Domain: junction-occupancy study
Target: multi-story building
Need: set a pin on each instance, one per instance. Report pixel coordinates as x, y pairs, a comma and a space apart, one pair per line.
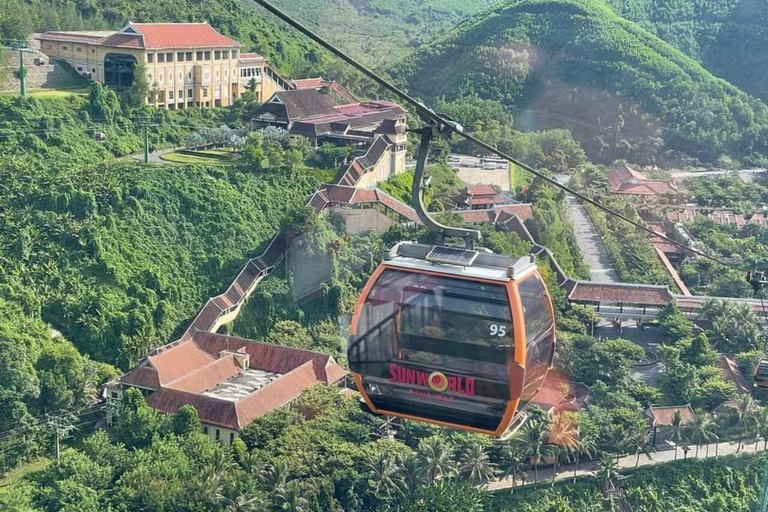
322, 112
188, 64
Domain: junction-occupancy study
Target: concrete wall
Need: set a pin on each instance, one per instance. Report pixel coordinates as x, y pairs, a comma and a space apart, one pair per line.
225, 435
381, 172
362, 220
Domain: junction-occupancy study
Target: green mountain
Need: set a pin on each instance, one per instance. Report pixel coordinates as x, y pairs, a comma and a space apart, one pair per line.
728, 37
622, 91
377, 31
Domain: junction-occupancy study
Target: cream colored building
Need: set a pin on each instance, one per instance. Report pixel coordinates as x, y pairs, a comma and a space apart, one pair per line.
188, 64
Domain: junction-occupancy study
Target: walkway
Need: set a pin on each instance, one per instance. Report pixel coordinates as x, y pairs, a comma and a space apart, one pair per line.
590, 243
626, 462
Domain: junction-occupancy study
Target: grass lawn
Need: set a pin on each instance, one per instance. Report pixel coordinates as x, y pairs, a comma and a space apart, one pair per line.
18, 474
323, 175
518, 178
49, 93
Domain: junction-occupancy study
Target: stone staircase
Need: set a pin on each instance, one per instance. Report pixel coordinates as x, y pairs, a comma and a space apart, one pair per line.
51, 75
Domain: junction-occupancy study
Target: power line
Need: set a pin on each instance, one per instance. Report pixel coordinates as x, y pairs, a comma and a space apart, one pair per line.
447, 127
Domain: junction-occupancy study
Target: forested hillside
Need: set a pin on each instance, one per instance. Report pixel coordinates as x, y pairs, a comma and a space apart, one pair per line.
286, 50
728, 37
377, 31
623, 92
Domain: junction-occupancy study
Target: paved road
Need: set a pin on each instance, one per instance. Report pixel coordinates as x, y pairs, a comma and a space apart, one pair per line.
626, 462
154, 156
590, 243
689, 174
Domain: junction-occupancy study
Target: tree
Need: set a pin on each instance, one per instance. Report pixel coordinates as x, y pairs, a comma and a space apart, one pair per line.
585, 446
436, 459
607, 469
699, 430
639, 442
511, 463
186, 421
384, 475
675, 431
138, 422
447, 496
412, 473
475, 465
743, 417
136, 95
294, 497
674, 324
289, 334
532, 444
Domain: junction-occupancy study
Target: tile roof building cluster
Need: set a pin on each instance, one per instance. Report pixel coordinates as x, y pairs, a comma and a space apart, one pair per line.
188, 64
230, 381
726, 217
625, 180
320, 111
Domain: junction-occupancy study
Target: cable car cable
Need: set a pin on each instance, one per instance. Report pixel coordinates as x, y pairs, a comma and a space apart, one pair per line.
447, 127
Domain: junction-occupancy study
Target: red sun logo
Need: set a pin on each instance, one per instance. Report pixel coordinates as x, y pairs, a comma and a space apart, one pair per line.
438, 381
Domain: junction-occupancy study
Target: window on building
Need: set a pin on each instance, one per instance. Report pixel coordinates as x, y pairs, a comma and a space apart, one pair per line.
188, 56
205, 93
231, 437
234, 54
181, 94
205, 430
113, 394
180, 57
93, 70
160, 57
63, 47
217, 55
49, 46
79, 69
207, 55
218, 434
170, 95
169, 57
225, 54
226, 73
150, 58
199, 56
93, 50
189, 94
218, 73
78, 48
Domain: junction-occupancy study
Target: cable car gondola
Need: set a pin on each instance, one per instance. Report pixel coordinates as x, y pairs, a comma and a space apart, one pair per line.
454, 336
761, 374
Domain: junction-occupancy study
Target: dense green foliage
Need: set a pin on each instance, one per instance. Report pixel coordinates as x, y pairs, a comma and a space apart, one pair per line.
287, 51
730, 483
40, 374
631, 253
728, 192
575, 64
726, 36
379, 31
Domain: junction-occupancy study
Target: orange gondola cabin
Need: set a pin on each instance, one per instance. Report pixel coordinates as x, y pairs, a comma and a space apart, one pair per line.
451, 336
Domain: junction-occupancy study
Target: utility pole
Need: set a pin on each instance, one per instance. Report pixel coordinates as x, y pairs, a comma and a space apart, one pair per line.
22, 75
146, 142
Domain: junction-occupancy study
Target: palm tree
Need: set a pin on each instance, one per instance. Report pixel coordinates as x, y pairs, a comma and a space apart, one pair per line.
532, 444
585, 445
241, 503
761, 424
412, 473
274, 477
713, 308
475, 465
436, 459
607, 469
676, 430
384, 472
511, 462
699, 430
617, 439
291, 498
639, 442
564, 434
744, 417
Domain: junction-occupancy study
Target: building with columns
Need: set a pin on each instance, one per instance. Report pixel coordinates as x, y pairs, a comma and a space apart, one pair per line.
188, 64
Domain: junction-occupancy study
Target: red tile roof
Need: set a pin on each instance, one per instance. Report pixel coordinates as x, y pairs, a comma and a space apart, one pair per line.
143, 377
662, 416
522, 211
209, 409
178, 361
208, 376
250, 56
731, 372
625, 180
625, 293
182, 35
482, 190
